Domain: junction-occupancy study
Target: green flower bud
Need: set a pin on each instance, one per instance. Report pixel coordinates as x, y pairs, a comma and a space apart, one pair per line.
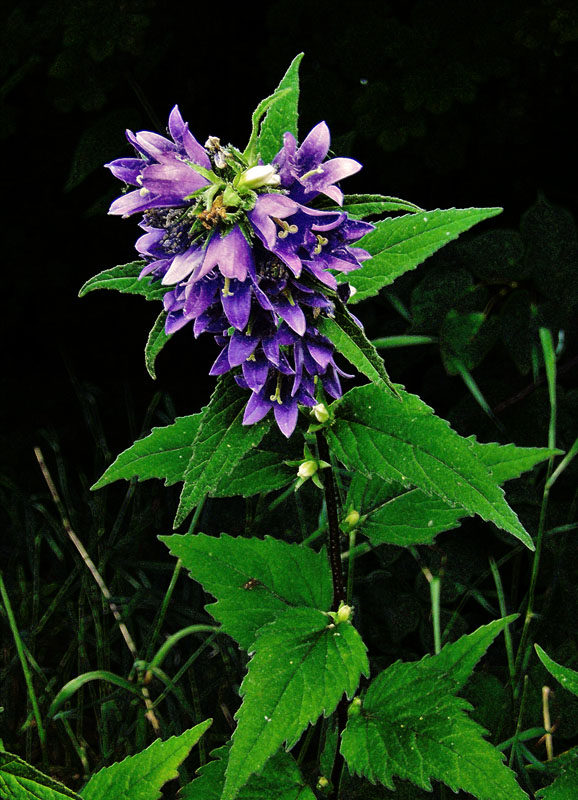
307, 469
343, 613
352, 518
355, 707
320, 412
255, 177
322, 783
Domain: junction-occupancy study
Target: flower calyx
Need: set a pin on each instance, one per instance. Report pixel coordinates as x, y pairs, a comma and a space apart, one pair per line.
308, 467
343, 614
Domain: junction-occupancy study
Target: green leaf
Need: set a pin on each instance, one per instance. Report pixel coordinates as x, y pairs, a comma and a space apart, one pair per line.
405, 442
351, 342
565, 787
164, 453
155, 343
466, 339
20, 781
405, 519
221, 442
412, 726
280, 779
507, 461
302, 666
359, 206
124, 278
259, 472
564, 675
254, 580
76, 683
399, 244
282, 115
142, 776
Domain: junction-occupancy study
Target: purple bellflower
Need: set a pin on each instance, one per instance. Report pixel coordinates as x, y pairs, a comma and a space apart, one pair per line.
246, 255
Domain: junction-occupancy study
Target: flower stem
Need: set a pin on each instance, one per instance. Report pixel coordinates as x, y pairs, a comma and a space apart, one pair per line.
333, 523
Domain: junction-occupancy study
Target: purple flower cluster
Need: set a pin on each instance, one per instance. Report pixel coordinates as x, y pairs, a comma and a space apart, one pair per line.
246, 255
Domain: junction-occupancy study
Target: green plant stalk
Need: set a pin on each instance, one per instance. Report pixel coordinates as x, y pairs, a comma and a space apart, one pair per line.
550, 364
387, 342
176, 637
504, 613
351, 565
24, 664
515, 738
435, 590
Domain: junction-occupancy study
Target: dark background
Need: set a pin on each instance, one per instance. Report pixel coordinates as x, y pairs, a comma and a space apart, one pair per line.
445, 103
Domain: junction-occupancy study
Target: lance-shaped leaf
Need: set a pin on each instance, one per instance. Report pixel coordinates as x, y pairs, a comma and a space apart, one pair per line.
164, 453
405, 442
359, 206
220, 444
404, 517
303, 664
564, 675
352, 343
399, 244
141, 777
280, 778
155, 343
411, 725
282, 115
21, 781
124, 278
565, 786
254, 580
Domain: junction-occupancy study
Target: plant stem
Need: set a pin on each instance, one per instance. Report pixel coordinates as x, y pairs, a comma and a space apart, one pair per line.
333, 524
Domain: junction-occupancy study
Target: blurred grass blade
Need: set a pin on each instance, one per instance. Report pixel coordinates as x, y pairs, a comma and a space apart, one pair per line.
550, 365
406, 340
77, 683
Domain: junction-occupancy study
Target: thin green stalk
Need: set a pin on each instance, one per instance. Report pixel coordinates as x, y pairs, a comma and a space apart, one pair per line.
24, 664
435, 590
504, 613
388, 342
550, 365
518, 722
351, 565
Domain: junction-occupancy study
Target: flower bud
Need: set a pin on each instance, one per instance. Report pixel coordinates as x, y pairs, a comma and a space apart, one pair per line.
320, 412
352, 518
343, 613
307, 469
355, 707
322, 783
261, 175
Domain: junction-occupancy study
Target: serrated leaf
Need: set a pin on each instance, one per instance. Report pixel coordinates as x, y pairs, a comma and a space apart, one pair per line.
567, 677
164, 453
411, 725
359, 206
282, 115
156, 341
280, 779
405, 442
21, 781
220, 444
300, 670
141, 777
124, 278
507, 461
399, 244
405, 519
254, 580
259, 472
350, 340
565, 786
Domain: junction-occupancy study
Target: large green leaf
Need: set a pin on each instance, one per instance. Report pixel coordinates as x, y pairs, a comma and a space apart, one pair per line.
567, 677
411, 725
359, 206
352, 343
142, 776
303, 664
259, 472
164, 453
254, 580
404, 517
221, 442
124, 278
282, 115
405, 442
399, 244
280, 779
20, 781
565, 786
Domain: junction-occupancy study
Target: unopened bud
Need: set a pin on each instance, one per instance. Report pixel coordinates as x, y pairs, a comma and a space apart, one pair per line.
352, 518
261, 175
343, 613
307, 469
355, 707
320, 412
322, 783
